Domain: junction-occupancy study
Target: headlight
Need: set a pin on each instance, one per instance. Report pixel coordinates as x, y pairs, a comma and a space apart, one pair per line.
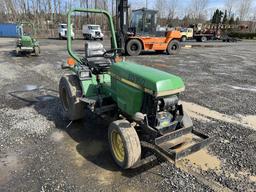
84, 75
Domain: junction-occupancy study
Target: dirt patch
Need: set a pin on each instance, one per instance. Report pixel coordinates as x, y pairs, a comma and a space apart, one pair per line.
105, 177
202, 113
8, 164
204, 160
250, 120
253, 178
57, 136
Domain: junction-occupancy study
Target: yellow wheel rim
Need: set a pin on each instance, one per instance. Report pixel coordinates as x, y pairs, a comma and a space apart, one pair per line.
117, 146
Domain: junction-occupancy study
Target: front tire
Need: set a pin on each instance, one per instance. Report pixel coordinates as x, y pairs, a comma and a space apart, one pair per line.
124, 144
173, 47
69, 87
37, 51
134, 47
18, 51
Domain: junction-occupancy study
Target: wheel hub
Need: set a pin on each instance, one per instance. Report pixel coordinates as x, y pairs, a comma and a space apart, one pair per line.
118, 146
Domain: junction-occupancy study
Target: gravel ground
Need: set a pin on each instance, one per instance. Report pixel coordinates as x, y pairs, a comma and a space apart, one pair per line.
38, 152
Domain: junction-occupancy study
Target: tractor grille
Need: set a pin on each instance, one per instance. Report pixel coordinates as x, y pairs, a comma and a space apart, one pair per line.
97, 33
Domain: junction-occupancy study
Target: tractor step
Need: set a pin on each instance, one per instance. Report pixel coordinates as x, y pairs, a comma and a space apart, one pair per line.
182, 142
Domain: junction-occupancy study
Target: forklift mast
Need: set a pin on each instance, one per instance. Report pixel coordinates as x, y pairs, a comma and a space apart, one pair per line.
122, 22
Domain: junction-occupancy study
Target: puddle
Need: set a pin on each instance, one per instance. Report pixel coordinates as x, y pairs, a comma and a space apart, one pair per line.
202, 113
204, 160
252, 89
46, 98
30, 87
8, 165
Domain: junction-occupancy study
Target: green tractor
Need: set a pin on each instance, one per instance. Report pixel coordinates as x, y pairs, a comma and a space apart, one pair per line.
26, 44
142, 101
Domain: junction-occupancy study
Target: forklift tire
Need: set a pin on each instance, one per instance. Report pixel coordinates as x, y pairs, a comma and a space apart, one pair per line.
134, 47
73, 108
173, 47
124, 144
37, 51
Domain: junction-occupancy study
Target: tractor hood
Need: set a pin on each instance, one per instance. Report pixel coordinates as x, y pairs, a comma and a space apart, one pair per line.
151, 80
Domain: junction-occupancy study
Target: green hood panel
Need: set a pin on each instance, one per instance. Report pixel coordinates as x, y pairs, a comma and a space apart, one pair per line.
26, 41
147, 77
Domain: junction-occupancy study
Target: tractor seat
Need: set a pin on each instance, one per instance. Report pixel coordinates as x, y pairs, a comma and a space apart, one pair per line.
98, 64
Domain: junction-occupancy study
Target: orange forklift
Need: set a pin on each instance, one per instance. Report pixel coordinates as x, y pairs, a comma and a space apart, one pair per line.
141, 33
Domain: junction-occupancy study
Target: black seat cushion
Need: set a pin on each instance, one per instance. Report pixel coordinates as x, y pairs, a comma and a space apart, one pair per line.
97, 63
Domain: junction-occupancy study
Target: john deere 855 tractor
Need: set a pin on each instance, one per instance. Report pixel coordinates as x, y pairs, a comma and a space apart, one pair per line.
143, 101
26, 44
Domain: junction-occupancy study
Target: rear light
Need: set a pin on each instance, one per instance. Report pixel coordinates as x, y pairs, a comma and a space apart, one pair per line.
71, 62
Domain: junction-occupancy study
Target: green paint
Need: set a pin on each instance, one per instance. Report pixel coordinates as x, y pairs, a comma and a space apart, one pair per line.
147, 77
129, 98
27, 40
89, 86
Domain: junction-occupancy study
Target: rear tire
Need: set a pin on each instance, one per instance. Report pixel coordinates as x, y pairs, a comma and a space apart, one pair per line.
173, 47
203, 39
124, 144
134, 47
183, 38
72, 107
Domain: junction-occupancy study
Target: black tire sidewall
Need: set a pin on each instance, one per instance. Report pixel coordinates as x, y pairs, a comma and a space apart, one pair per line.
169, 48
129, 45
74, 109
203, 39
115, 127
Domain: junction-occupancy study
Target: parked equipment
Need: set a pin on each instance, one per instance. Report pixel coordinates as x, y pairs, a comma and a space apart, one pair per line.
143, 101
141, 34
92, 32
62, 30
26, 43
